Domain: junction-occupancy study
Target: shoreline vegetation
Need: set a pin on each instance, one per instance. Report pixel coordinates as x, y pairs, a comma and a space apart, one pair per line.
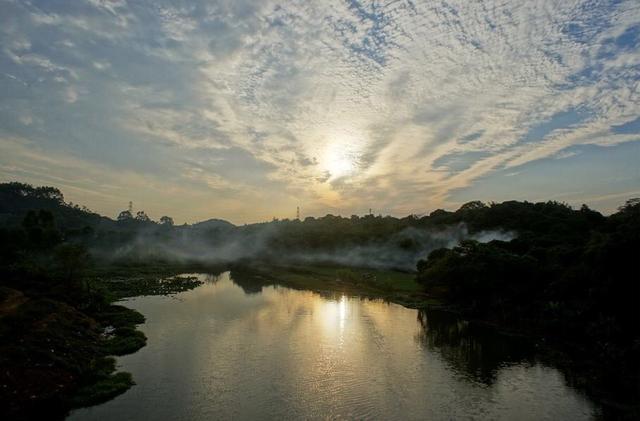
56, 356
563, 278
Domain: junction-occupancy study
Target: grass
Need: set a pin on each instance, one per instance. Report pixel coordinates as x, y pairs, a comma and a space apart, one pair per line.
103, 390
367, 278
101, 382
386, 280
126, 340
399, 287
119, 316
105, 384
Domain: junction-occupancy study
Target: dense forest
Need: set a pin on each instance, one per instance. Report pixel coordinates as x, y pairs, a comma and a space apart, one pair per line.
567, 275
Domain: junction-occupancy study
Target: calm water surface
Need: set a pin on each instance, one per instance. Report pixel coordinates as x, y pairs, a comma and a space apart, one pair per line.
221, 351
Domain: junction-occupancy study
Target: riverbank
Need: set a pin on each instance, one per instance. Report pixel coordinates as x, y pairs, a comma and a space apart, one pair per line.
57, 353
54, 356
393, 286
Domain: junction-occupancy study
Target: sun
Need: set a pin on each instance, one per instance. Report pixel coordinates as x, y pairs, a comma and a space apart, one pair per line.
341, 158
340, 165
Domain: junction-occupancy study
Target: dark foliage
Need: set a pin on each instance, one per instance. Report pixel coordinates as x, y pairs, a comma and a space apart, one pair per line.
52, 348
570, 276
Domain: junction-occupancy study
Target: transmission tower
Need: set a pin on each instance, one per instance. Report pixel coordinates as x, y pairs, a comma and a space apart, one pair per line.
298, 213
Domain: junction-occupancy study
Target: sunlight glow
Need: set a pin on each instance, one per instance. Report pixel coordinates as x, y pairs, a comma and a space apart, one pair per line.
335, 315
340, 164
343, 311
342, 155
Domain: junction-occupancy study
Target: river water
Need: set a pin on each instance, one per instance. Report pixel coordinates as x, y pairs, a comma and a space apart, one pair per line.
220, 352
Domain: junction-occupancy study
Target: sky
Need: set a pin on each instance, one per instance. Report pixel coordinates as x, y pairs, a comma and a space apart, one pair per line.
244, 110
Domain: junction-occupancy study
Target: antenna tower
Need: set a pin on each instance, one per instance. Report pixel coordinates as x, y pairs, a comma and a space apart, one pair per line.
298, 213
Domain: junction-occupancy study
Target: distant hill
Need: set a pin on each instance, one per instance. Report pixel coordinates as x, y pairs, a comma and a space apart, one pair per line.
213, 223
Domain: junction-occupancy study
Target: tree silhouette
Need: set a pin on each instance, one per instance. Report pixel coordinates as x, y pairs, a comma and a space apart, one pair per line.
142, 216
72, 258
125, 215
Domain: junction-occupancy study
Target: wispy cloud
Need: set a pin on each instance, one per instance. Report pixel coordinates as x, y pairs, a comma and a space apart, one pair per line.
336, 105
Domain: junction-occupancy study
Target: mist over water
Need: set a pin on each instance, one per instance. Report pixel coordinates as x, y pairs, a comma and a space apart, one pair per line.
401, 250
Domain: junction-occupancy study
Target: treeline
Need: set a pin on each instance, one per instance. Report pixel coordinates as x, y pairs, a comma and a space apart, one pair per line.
135, 233
135, 236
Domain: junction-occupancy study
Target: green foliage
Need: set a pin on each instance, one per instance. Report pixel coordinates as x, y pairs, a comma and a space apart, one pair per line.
153, 284
476, 275
26, 190
348, 275
125, 340
166, 221
72, 258
142, 216
125, 215
119, 316
103, 385
40, 230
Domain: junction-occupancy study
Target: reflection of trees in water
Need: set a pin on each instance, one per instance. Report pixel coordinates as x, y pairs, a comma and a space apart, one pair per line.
479, 352
211, 278
248, 281
474, 351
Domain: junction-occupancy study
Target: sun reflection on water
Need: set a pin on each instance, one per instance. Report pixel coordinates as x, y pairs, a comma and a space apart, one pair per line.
343, 310
334, 316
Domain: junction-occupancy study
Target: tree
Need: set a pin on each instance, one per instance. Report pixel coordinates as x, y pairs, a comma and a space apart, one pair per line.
142, 216
40, 229
473, 205
49, 193
30, 220
45, 219
72, 258
166, 221
630, 206
27, 190
439, 213
125, 215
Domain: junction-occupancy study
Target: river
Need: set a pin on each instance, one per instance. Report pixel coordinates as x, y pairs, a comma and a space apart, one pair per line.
220, 351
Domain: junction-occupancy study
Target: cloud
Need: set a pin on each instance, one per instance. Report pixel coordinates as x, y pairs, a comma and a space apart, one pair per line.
337, 105
566, 154
70, 95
